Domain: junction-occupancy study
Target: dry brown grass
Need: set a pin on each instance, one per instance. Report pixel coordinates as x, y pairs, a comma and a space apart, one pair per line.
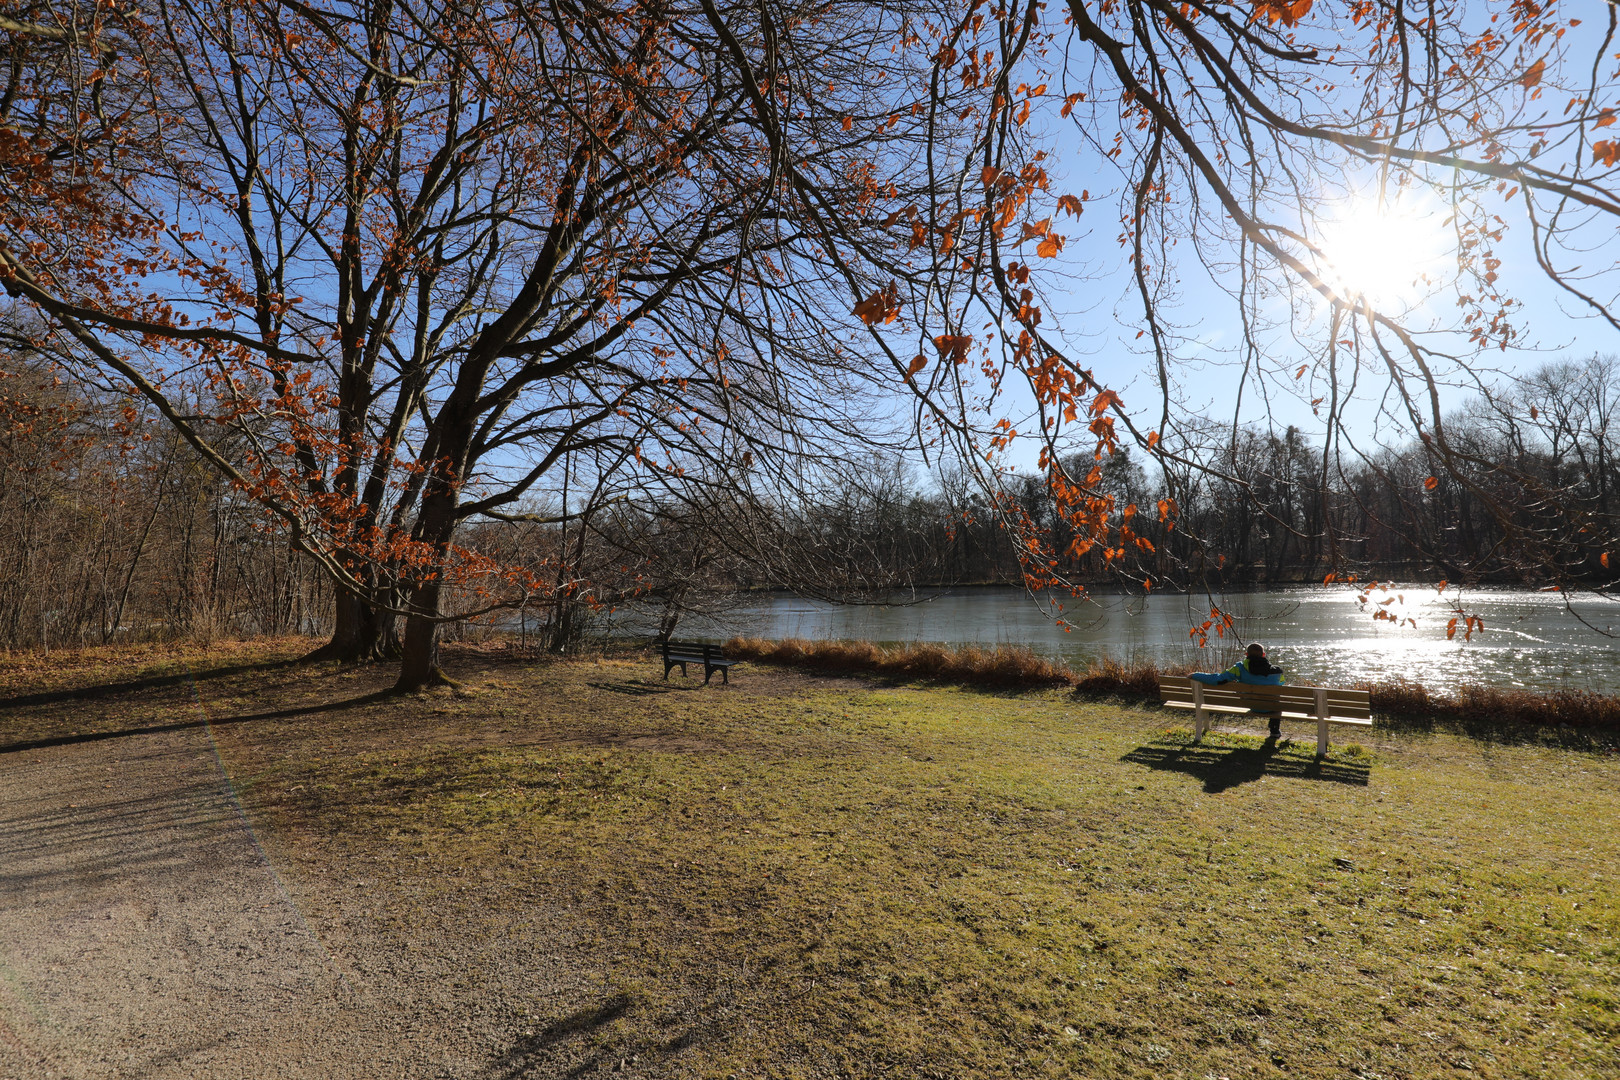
1006, 666
1499, 706
1136, 678
1399, 697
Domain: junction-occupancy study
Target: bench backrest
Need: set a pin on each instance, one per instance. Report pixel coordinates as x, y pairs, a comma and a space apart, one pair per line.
1351, 704
693, 648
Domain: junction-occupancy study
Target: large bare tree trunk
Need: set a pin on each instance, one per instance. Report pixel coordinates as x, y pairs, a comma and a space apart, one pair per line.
362, 633
419, 664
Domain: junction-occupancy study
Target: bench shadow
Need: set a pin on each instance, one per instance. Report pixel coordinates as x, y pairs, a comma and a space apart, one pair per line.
186, 725
1224, 767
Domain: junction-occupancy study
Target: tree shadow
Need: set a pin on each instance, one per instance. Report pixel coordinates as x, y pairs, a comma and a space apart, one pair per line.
109, 838
1489, 729
1223, 767
533, 1055
154, 682
186, 725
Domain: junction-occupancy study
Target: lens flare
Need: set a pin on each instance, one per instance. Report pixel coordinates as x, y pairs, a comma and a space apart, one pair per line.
1388, 256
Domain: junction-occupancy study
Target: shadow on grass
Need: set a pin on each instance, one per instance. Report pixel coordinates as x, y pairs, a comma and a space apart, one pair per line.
637, 688
530, 1055
186, 725
155, 682
1505, 732
1223, 767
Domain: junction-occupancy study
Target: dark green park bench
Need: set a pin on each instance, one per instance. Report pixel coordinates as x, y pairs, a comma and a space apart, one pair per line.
696, 652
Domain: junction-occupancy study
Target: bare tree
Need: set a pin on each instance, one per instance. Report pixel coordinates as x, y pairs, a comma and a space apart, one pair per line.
424, 256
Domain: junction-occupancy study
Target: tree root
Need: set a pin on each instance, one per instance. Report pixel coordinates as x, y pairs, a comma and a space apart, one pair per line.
434, 676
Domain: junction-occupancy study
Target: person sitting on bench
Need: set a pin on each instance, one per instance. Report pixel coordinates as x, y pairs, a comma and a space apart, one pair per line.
1254, 670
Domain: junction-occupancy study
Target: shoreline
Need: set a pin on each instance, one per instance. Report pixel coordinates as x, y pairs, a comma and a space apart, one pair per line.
1396, 703
1577, 718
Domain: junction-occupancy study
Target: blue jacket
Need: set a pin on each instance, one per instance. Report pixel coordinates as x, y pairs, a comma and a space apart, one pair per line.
1239, 672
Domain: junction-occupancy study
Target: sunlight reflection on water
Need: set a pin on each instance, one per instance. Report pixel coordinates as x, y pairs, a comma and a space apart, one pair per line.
1317, 634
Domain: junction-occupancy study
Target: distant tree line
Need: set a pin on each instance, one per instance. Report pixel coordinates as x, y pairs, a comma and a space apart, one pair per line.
1535, 503
111, 529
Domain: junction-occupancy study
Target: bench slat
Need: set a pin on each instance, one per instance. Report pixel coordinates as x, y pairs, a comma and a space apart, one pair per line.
1286, 714
1259, 705
1180, 688
1252, 705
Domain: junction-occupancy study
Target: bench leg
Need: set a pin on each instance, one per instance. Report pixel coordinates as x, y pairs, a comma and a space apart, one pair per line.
1321, 723
708, 673
672, 663
1198, 712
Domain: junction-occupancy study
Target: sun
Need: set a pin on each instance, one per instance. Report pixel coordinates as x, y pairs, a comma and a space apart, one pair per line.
1388, 256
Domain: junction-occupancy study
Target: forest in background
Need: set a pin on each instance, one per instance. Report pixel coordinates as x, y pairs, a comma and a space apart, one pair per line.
112, 529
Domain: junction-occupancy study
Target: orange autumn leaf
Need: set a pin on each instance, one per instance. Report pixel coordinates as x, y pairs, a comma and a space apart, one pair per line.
1070, 204
882, 306
918, 362
1050, 246
953, 347
1533, 76
1607, 151
1604, 559
1104, 400
1036, 228
1430, 484
1287, 12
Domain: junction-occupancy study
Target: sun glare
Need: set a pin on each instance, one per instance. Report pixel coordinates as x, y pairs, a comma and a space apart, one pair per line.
1390, 257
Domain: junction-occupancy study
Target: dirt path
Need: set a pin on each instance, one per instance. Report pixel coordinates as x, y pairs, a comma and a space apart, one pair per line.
145, 933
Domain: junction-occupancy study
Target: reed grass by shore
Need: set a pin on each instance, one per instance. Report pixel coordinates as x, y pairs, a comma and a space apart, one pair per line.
1004, 666
1396, 702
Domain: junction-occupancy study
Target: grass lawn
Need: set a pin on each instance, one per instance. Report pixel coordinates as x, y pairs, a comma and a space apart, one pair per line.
804, 876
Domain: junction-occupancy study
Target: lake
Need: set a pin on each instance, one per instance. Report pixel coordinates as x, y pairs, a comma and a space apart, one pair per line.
1318, 634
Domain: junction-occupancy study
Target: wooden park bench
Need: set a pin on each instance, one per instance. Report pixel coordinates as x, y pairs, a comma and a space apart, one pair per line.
1323, 704
696, 652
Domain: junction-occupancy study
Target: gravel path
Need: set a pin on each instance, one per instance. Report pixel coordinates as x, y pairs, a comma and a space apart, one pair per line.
145, 933
142, 931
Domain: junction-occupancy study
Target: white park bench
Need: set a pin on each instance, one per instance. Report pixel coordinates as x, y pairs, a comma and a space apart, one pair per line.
1325, 705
